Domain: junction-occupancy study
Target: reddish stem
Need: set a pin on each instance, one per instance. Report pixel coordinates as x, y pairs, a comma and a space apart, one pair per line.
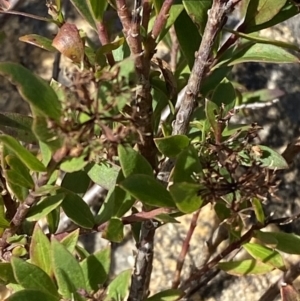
103, 38
184, 249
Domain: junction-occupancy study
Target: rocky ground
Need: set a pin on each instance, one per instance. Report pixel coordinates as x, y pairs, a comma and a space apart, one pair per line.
281, 125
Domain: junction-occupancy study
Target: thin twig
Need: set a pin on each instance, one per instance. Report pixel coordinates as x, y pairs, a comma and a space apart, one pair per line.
145, 215
147, 7
203, 283
174, 49
218, 235
131, 29
143, 100
104, 40
198, 274
139, 289
18, 13
292, 150
216, 19
158, 26
25, 206
217, 15
201, 272
274, 290
20, 214
184, 249
138, 217
161, 19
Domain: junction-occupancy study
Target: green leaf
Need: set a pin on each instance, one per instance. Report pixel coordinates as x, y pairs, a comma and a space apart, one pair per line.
132, 162
67, 271
171, 146
197, 10
264, 53
33, 89
116, 203
40, 250
118, 289
77, 210
258, 39
64, 94
58, 4
103, 174
245, 267
126, 202
148, 190
20, 170
186, 166
44, 207
262, 11
265, 254
82, 253
96, 268
258, 209
114, 231
38, 41
104, 49
4, 223
83, 8
224, 95
19, 251
74, 164
160, 99
109, 207
22, 153
215, 77
288, 11
6, 273
45, 134
19, 192
53, 219
167, 295
18, 126
31, 295
78, 182
157, 5
271, 159
17, 179
98, 8
15, 287
46, 189
45, 152
211, 110
231, 129
285, 242
70, 241
121, 53
185, 196
31, 276
184, 24
261, 95
166, 218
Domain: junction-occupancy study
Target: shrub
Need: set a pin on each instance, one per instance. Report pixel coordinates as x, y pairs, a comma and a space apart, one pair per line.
123, 125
